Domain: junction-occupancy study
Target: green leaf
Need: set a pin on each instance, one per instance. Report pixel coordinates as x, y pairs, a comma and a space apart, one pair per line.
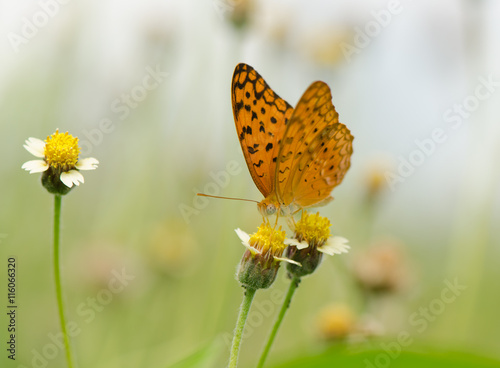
205, 357
391, 359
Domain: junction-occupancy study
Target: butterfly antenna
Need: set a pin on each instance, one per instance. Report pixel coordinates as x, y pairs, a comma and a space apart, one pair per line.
234, 199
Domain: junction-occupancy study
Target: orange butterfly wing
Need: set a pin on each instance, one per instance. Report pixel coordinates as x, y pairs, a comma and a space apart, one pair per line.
315, 151
260, 116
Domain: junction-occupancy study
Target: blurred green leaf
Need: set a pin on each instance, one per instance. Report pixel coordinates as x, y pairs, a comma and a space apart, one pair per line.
392, 359
205, 357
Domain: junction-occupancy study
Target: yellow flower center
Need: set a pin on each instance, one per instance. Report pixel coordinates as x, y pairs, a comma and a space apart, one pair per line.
269, 240
313, 228
61, 151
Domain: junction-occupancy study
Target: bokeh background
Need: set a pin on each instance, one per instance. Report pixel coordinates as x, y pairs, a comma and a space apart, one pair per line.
80, 66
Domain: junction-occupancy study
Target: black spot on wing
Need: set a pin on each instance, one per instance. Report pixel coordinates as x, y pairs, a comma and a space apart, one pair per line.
253, 149
269, 147
284, 170
259, 164
238, 107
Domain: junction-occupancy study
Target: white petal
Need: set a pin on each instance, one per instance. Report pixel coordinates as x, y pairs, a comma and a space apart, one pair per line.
35, 166
71, 177
244, 240
89, 163
300, 245
335, 245
251, 249
283, 259
242, 235
35, 146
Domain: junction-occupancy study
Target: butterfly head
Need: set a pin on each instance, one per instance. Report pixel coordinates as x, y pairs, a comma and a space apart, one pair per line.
267, 208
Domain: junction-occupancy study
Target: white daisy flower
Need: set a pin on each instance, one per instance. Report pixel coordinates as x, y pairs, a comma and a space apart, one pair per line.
266, 242
260, 263
312, 240
314, 230
333, 245
59, 161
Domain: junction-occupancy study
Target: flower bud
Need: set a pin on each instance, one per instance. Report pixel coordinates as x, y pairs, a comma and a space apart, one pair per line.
52, 182
260, 263
257, 271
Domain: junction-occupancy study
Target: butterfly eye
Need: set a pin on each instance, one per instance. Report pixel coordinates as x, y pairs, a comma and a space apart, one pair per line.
271, 209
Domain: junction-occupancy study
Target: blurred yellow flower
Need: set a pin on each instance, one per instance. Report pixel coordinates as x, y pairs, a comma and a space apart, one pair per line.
173, 249
335, 322
323, 44
375, 176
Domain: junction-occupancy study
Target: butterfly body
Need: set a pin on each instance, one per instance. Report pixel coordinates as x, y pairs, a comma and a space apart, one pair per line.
270, 206
295, 156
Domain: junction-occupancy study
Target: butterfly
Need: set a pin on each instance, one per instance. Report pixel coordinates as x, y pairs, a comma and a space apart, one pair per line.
295, 156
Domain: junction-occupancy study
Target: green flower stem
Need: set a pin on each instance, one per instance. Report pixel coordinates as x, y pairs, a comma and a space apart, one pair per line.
294, 284
57, 275
240, 325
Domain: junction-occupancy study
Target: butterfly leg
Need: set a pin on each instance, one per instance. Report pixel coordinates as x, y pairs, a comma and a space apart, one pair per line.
301, 214
276, 222
291, 220
274, 227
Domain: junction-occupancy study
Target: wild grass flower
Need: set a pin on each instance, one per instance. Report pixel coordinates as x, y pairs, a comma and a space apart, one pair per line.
60, 167
260, 263
60, 162
312, 239
257, 270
